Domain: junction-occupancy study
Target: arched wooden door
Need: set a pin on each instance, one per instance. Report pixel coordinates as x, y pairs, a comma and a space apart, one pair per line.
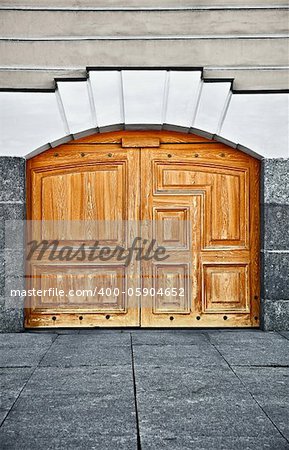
141, 180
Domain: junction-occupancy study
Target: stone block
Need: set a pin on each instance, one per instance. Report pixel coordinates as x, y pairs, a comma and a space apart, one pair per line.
275, 270
275, 315
11, 318
14, 263
12, 179
275, 174
275, 227
11, 227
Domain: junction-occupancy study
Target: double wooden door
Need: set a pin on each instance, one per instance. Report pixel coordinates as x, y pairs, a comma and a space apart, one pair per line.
196, 199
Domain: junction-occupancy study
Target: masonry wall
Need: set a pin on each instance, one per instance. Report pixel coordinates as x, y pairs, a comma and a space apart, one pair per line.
12, 207
275, 244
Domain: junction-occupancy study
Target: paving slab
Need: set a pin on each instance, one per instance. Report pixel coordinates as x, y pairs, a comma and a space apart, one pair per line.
114, 331
81, 394
168, 338
285, 334
192, 402
233, 337
69, 442
208, 416
270, 387
25, 339
53, 331
97, 381
12, 381
188, 382
23, 350
250, 349
266, 382
3, 414
177, 356
96, 339
102, 350
214, 443
103, 418
279, 414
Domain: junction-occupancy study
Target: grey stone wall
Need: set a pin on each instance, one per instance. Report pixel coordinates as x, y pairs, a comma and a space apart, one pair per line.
275, 244
12, 207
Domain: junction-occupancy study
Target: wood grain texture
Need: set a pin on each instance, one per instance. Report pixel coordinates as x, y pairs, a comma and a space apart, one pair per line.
137, 141
172, 179
217, 190
78, 197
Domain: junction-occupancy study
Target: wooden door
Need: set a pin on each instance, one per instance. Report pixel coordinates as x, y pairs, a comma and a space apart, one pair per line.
213, 192
197, 198
80, 194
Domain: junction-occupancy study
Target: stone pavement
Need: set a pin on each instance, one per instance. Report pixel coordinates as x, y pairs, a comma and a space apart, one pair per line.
140, 389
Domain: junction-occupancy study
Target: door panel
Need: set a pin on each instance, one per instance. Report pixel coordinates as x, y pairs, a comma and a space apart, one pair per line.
225, 288
78, 204
97, 196
225, 196
211, 193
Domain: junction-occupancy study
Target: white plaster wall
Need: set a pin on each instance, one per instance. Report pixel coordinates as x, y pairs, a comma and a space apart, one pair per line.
29, 120
259, 121
77, 107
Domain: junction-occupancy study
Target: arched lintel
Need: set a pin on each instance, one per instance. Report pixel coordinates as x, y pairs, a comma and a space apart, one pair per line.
204, 135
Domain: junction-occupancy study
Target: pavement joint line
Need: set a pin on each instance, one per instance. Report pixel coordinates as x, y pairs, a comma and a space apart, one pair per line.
135, 395
250, 393
285, 337
264, 366
16, 367
25, 384
95, 366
